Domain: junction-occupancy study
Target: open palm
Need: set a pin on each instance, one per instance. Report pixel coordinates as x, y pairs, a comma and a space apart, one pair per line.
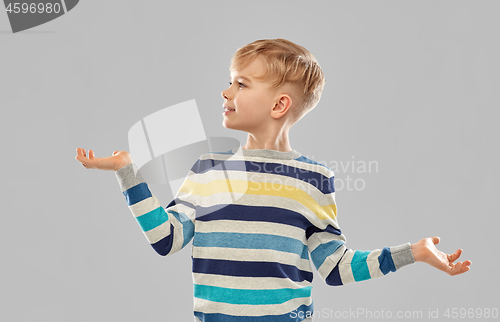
426, 251
118, 160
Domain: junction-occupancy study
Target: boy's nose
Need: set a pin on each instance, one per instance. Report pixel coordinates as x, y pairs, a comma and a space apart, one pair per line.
224, 94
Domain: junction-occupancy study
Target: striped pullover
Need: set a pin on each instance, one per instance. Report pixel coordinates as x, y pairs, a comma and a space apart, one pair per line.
257, 218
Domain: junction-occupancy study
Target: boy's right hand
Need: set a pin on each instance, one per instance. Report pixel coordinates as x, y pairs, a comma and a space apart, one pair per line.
119, 160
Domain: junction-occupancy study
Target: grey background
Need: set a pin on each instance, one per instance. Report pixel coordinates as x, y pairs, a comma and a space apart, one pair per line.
412, 85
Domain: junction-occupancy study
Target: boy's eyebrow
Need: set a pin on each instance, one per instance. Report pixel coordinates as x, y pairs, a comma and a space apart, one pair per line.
243, 77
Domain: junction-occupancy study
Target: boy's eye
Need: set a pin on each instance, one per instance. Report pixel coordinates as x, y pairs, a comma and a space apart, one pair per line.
240, 84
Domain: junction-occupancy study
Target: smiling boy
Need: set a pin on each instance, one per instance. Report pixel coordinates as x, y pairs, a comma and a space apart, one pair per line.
256, 108
252, 254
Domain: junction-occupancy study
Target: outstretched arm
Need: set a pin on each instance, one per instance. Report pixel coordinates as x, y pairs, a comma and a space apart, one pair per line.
426, 251
167, 229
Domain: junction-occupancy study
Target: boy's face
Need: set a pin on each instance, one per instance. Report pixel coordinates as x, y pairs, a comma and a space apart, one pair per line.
251, 99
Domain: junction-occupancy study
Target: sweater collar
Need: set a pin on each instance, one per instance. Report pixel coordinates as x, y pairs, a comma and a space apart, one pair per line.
270, 154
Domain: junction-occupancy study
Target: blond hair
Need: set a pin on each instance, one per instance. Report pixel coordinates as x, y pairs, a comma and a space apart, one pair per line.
286, 64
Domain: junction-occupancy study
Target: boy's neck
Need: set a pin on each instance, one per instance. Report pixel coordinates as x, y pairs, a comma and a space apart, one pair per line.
277, 144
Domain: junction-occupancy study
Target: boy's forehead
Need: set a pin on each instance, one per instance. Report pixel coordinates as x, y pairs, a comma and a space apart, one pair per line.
252, 69
236, 74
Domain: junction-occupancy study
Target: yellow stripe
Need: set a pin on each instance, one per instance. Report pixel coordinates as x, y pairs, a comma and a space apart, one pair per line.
260, 188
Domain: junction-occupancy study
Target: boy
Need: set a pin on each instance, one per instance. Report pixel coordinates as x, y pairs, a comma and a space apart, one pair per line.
251, 254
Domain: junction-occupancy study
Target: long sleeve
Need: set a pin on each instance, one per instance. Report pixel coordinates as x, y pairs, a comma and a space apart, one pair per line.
337, 264
167, 229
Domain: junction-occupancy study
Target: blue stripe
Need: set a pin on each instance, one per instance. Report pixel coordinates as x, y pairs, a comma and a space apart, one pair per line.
164, 245
252, 213
359, 266
323, 183
250, 269
187, 226
137, 193
177, 201
333, 278
307, 160
386, 262
152, 219
249, 297
320, 253
329, 229
296, 315
251, 241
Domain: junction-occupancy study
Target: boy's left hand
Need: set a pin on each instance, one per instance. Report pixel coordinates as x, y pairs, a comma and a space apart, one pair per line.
425, 251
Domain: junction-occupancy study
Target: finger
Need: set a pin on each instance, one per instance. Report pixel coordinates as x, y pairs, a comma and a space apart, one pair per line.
91, 154
455, 269
115, 152
462, 269
455, 256
435, 240
81, 152
81, 158
465, 266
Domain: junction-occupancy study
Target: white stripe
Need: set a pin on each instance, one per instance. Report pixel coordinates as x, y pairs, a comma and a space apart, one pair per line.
292, 163
144, 206
322, 238
275, 181
64, 6
251, 227
322, 223
249, 255
268, 201
250, 283
330, 262
249, 310
345, 268
181, 208
178, 235
373, 263
156, 234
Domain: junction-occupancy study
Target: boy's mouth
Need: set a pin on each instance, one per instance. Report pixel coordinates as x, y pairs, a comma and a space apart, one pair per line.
228, 109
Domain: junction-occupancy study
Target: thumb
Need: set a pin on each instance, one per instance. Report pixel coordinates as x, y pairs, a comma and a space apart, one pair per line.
435, 240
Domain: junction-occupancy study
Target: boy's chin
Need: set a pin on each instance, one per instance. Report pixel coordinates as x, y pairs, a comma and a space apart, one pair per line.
231, 127
227, 126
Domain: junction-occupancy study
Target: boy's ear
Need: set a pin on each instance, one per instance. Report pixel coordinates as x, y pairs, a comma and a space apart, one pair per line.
282, 106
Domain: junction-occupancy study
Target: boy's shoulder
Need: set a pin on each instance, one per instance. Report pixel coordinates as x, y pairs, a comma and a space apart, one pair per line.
211, 159
216, 155
305, 159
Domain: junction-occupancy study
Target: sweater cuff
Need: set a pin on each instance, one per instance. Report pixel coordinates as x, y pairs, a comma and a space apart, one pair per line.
402, 255
128, 176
